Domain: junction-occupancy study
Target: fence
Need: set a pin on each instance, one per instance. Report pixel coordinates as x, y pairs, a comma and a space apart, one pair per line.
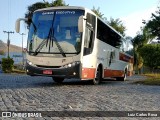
145, 70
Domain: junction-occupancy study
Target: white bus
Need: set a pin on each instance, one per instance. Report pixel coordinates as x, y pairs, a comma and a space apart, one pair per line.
73, 42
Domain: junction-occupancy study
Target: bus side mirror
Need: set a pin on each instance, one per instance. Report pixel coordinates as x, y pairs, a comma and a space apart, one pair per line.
80, 23
17, 26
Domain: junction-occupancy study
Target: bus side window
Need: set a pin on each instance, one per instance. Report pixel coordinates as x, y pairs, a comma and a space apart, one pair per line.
108, 35
88, 41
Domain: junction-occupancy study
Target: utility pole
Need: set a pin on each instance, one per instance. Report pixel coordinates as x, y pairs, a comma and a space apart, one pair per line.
8, 41
22, 49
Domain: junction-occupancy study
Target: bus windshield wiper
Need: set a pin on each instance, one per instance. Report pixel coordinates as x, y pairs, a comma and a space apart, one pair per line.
51, 39
40, 46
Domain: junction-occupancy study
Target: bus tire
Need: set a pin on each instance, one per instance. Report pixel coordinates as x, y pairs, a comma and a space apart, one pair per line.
122, 78
98, 77
58, 79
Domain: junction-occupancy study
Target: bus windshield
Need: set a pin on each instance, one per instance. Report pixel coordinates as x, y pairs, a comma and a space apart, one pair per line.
55, 32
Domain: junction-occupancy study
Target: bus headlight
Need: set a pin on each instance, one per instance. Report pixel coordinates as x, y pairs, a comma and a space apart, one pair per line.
69, 65
30, 63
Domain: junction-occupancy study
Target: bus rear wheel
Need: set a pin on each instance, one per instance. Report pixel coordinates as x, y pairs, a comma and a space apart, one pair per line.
58, 79
98, 77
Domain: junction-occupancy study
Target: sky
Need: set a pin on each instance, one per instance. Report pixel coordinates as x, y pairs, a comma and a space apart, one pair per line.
130, 12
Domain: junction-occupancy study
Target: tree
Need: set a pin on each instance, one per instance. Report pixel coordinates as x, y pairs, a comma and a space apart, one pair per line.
117, 25
58, 3
153, 25
151, 55
39, 5
97, 12
34, 7
7, 64
137, 43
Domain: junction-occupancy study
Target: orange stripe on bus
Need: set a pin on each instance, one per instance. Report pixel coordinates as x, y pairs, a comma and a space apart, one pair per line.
113, 73
88, 73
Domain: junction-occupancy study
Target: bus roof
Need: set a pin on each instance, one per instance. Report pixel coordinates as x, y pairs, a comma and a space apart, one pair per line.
61, 7
67, 7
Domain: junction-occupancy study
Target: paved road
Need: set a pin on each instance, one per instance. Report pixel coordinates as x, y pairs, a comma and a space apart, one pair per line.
25, 93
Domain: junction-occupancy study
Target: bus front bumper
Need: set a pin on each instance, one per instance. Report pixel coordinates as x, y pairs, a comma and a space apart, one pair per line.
64, 72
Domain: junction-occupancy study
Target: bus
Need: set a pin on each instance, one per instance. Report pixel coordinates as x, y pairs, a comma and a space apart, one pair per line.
73, 42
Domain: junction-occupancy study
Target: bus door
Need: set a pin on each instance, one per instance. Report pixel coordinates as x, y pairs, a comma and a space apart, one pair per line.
88, 69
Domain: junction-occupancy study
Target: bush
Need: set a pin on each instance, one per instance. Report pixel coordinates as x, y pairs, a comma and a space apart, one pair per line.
7, 65
2, 52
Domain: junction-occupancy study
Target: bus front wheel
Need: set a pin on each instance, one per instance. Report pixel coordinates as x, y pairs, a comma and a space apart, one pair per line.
98, 77
58, 80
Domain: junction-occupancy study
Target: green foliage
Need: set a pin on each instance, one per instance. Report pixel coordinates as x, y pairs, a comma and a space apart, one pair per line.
152, 25
34, 7
7, 65
58, 3
148, 33
117, 25
151, 55
137, 42
97, 12
40, 5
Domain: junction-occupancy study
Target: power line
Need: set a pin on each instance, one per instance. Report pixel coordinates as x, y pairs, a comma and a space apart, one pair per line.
22, 48
8, 41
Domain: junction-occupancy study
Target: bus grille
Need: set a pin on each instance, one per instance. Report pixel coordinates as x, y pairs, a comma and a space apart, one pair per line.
48, 66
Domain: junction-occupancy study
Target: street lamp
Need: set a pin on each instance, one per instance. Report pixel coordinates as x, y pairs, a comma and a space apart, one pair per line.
22, 49
8, 41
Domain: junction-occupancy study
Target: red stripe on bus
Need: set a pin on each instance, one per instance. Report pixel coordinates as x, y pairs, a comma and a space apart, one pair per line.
113, 73
125, 58
88, 73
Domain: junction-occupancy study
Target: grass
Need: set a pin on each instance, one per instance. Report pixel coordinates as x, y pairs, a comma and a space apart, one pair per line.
152, 79
18, 71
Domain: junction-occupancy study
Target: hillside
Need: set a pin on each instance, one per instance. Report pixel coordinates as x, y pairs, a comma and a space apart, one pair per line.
12, 48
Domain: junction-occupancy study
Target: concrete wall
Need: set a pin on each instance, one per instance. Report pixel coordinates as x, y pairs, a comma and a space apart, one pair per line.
17, 57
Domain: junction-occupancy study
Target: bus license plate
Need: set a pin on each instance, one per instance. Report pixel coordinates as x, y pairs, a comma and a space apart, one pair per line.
48, 72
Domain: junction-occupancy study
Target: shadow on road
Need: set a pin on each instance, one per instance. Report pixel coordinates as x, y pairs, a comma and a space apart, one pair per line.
24, 81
